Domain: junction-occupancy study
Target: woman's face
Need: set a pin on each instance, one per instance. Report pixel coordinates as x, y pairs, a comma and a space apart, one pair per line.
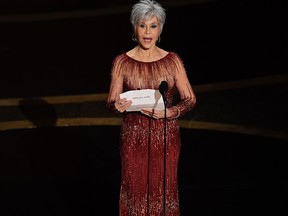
147, 32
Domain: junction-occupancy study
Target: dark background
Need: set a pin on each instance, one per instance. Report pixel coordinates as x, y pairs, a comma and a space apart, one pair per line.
66, 47
62, 47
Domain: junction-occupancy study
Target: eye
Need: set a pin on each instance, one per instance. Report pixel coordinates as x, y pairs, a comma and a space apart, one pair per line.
153, 26
141, 25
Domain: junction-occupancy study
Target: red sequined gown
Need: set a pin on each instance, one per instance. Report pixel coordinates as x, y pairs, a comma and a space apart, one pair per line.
142, 138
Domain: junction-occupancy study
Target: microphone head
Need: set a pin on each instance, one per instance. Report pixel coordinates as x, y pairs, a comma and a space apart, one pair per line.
163, 87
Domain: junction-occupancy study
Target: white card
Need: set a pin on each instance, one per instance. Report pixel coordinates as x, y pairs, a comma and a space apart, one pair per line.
145, 98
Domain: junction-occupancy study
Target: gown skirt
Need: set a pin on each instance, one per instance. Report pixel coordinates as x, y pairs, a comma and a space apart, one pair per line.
142, 159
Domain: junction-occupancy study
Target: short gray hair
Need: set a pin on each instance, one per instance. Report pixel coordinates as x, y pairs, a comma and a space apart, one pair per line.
147, 9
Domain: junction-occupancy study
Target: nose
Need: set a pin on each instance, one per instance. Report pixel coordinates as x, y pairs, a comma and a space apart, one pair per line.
147, 30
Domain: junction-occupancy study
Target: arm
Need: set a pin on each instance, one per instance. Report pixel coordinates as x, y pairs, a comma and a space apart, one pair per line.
114, 103
186, 93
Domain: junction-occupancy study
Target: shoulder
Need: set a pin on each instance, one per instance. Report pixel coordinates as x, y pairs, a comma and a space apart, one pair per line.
119, 58
173, 56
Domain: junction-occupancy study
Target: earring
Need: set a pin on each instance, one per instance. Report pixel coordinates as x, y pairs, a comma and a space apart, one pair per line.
159, 39
134, 38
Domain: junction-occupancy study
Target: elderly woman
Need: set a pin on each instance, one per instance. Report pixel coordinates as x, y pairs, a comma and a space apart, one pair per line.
150, 139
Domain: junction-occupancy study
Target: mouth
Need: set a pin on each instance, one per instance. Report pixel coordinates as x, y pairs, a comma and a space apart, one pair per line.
146, 39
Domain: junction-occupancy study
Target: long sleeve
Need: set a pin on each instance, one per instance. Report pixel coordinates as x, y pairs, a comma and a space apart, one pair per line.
184, 88
116, 85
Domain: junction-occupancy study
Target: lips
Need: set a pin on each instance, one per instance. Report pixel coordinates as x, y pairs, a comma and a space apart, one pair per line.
147, 39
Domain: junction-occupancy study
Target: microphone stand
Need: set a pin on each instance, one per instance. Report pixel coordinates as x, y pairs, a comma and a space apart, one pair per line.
163, 88
164, 175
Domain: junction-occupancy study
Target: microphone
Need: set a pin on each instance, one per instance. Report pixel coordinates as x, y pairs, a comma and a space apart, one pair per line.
163, 88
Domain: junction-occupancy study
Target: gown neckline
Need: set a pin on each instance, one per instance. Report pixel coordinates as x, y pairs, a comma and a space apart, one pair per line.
148, 61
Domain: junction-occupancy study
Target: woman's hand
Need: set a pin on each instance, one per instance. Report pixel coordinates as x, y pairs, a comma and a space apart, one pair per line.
155, 114
122, 104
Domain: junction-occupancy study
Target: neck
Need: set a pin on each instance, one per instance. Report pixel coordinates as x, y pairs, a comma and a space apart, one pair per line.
152, 52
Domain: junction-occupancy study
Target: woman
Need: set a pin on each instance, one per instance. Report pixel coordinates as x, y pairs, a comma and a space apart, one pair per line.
142, 134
